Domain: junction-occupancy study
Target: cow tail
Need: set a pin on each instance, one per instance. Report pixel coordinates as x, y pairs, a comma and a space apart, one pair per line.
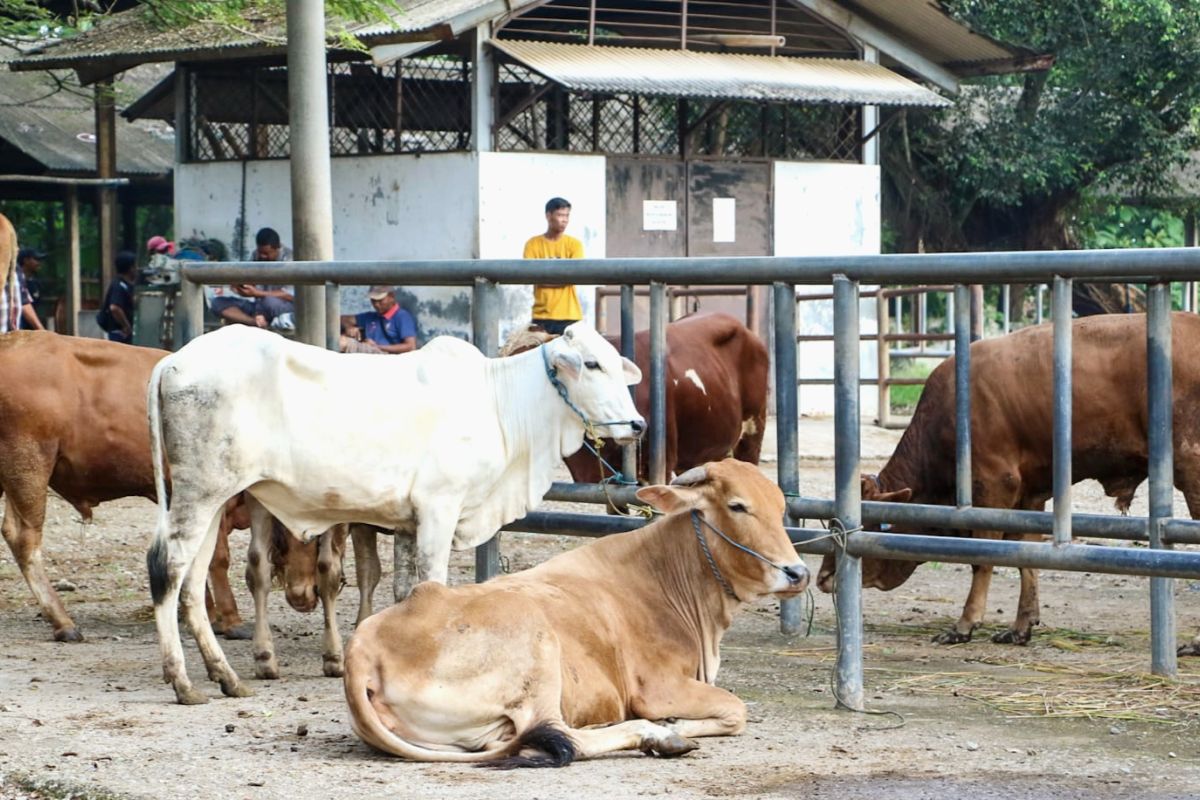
552, 745
156, 557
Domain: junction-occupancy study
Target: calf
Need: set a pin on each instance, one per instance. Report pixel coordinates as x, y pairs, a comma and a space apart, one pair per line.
1012, 435
508, 671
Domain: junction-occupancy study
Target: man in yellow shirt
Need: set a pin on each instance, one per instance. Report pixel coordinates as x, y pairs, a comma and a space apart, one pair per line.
555, 306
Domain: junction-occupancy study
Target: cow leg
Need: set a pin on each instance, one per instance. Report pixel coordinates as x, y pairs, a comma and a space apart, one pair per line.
219, 601
258, 579
636, 734
332, 545
24, 517
693, 709
366, 568
976, 605
192, 598
406, 571
749, 446
171, 558
1028, 611
1191, 493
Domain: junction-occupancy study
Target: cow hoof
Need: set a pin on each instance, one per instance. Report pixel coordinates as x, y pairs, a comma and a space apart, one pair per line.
951, 637
68, 635
266, 672
235, 688
189, 696
1192, 649
243, 631
333, 668
670, 746
1011, 636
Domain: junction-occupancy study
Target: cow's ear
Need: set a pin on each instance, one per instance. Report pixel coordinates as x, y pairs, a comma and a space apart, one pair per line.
667, 499
568, 362
633, 375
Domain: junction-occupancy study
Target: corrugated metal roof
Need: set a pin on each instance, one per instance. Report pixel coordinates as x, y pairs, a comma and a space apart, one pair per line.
745, 77
937, 34
136, 36
49, 118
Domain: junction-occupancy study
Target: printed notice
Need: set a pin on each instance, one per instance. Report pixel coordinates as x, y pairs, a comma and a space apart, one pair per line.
659, 215
724, 219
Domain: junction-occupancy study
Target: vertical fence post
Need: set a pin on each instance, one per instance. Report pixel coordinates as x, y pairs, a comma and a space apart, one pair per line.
658, 383
848, 492
787, 414
189, 311
884, 359
629, 463
962, 393
333, 317
1061, 314
485, 334
1162, 480
1041, 290
1006, 293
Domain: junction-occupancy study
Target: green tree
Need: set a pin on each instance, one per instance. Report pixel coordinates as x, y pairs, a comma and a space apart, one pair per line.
1015, 160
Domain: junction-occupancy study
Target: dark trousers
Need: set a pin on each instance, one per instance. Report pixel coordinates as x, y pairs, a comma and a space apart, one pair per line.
554, 326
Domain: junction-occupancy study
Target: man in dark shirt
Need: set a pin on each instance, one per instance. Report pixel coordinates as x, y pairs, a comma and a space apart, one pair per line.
29, 261
118, 300
389, 326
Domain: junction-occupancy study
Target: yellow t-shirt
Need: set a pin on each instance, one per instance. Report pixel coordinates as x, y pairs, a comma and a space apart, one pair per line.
555, 302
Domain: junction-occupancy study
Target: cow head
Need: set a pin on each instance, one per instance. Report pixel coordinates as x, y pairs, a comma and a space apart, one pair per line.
741, 503
877, 573
597, 378
306, 570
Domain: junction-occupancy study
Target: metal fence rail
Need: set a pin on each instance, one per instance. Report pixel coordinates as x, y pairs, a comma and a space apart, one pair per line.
1156, 267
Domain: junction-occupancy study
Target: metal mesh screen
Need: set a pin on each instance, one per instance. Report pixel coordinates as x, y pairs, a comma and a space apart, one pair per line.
416, 105
537, 115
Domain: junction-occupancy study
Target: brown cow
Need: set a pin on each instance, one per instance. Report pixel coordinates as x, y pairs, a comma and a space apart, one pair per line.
1012, 436
612, 646
73, 419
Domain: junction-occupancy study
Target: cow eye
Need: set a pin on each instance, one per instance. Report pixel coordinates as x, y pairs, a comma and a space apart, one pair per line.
592, 365
738, 506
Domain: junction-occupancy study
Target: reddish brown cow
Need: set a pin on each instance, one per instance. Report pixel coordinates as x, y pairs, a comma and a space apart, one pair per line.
73, 419
716, 395
1012, 436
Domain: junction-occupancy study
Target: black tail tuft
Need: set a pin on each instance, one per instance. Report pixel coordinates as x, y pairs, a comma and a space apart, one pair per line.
557, 749
156, 565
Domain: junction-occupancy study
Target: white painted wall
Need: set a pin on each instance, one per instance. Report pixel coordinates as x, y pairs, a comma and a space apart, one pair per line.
828, 209
384, 207
513, 190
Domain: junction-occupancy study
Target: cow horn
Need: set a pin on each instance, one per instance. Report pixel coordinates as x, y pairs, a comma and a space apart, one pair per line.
692, 477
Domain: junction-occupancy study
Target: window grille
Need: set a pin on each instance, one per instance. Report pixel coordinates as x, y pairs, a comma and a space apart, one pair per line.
535, 114
416, 105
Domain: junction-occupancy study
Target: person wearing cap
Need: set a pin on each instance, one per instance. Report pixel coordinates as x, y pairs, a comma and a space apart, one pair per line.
555, 306
159, 246
389, 327
29, 261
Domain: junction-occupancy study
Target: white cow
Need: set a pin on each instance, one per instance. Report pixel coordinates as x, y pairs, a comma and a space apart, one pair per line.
442, 443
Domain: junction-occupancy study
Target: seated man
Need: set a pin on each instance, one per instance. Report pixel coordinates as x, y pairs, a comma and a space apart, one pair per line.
389, 327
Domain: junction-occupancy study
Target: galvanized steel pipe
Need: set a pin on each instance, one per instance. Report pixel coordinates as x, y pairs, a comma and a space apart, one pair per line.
848, 494
787, 414
485, 333
629, 350
962, 394
1162, 478
1061, 314
658, 384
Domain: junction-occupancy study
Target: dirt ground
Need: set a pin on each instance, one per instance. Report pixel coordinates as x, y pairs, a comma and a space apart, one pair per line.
1073, 715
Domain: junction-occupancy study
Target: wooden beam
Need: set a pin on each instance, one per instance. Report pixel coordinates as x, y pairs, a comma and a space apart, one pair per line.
71, 220
106, 167
858, 28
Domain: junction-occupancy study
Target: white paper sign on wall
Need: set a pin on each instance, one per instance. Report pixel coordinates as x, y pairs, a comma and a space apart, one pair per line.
724, 219
659, 215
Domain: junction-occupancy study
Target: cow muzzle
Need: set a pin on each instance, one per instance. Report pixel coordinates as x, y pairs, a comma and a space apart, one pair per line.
795, 579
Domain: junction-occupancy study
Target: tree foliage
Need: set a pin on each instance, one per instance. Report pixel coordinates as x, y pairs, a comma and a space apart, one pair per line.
1015, 160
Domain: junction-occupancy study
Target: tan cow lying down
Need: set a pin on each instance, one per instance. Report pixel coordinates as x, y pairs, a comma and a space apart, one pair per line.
612, 646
